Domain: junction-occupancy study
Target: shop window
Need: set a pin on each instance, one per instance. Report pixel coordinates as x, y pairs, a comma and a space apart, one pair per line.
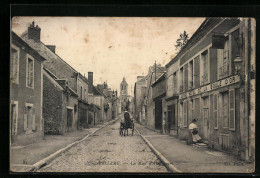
14, 73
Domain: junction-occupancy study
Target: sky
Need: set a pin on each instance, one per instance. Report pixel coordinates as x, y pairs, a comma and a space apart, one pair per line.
111, 47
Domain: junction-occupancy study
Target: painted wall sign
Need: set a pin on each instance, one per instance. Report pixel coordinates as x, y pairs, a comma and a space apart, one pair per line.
212, 86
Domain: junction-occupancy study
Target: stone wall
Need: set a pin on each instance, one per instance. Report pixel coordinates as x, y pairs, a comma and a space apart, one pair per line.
52, 107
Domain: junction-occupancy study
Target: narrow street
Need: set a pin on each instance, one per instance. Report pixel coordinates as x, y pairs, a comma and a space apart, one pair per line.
106, 151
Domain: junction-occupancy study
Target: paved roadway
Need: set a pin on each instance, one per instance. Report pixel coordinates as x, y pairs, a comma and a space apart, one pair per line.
106, 151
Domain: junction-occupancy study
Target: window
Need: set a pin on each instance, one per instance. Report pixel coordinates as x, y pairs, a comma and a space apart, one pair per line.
69, 117
185, 110
174, 83
225, 109
30, 72
232, 125
223, 60
191, 75
14, 73
81, 94
181, 79
215, 110
204, 59
185, 85
205, 102
29, 118
14, 117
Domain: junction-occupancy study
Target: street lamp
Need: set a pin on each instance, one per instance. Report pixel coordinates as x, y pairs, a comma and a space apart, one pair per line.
237, 63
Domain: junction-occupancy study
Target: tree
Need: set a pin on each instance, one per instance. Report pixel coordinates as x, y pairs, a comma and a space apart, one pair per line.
182, 40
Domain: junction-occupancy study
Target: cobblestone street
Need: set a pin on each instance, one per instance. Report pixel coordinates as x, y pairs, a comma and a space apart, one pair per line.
106, 151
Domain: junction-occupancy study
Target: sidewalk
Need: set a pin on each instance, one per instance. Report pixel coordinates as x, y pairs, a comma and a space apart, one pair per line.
22, 157
189, 159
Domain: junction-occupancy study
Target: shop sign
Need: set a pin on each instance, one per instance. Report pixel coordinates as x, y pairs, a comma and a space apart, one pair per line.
219, 84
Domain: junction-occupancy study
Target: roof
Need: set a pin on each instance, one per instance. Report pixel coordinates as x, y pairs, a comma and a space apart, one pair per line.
199, 34
57, 83
96, 91
43, 50
15, 37
161, 78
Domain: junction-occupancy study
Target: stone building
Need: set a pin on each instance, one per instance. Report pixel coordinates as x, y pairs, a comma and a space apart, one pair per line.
60, 111
158, 94
154, 73
26, 87
139, 92
209, 81
62, 70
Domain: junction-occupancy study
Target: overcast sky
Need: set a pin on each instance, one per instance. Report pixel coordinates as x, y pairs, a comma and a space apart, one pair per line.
111, 47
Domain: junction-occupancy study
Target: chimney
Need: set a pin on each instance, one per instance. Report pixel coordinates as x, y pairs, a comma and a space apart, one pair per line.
34, 32
90, 79
51, 47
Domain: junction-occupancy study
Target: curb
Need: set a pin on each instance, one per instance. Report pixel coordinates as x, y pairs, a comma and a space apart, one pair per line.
165, 162
48, 159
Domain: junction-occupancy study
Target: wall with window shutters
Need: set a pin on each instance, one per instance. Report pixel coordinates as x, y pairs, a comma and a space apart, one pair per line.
213, 65
22, 94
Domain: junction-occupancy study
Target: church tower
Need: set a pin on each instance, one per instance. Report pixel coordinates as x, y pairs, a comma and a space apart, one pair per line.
123, 88
123, 94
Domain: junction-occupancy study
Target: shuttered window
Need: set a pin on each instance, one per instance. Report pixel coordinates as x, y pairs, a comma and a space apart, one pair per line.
215, 111
185, 118
14, 72
205, 65
14, 117
225, 105
232, 110
30, 72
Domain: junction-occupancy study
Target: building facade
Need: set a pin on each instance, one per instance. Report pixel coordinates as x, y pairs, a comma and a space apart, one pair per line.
154, 73
60, 111
209, 80
139, 91
26, 87
159, 93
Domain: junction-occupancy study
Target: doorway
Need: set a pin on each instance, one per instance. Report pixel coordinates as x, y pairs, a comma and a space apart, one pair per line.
69, 118
171, 118
158, 114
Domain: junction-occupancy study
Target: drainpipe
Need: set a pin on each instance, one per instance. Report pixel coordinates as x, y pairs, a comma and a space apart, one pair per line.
252, 87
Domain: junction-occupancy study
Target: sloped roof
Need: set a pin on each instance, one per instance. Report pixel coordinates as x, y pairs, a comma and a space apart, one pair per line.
15, 37
206, 25
57, 83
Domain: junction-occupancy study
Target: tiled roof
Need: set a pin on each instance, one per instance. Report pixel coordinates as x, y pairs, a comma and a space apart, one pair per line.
44, 51
199, 34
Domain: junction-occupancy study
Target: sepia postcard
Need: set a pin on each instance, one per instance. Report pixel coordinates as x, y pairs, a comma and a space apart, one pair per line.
132, 94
